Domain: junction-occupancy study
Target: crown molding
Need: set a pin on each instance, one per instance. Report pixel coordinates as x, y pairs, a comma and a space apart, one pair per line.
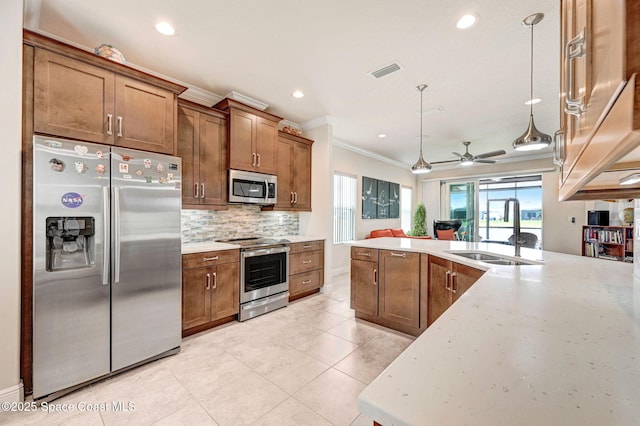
370, 154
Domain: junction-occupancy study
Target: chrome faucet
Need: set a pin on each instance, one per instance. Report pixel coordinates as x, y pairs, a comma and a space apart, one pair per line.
516, 221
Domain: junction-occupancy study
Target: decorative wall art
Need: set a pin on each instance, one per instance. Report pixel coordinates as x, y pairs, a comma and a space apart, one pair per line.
380, 199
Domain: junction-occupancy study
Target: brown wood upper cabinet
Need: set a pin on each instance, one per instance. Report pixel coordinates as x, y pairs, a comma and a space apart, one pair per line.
82, 101
447, 281
599, 98
253, 135
202, 144
294, 172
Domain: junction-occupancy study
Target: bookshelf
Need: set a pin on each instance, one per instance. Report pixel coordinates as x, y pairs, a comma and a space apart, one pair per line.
608, 242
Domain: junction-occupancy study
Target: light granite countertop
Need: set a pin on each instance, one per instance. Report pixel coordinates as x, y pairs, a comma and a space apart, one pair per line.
199, 247
557, 343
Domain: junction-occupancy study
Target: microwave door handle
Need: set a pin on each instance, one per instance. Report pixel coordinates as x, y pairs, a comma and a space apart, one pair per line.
266, 190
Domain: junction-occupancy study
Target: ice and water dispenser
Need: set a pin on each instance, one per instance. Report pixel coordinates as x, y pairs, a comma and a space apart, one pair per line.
70, 243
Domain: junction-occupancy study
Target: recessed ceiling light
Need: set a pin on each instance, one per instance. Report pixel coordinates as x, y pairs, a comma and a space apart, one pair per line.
297, 94
533, 101
382, 135
467, 21
165, 28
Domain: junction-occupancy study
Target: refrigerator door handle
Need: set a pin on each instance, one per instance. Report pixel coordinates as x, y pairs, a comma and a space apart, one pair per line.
105, 235
116, 240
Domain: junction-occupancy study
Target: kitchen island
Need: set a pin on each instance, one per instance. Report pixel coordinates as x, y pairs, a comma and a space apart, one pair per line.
552, 343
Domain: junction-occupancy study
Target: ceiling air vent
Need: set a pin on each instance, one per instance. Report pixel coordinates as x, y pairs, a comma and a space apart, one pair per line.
388, 69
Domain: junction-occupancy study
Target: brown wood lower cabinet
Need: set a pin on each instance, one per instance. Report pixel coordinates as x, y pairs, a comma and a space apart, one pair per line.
210, 289
385, 288
306, 268
447, 282
405, 291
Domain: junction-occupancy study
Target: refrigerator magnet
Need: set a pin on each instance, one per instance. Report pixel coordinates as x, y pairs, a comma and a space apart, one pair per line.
81, 149
99, 154
71, 200
126, 176
123, 167
162, 179
160, 168
169, 177
147, 163
126, 157
56, 165
80, 167
139, 172
100, 170
148, 179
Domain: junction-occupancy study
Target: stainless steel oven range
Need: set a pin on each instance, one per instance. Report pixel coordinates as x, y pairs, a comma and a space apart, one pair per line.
264, 275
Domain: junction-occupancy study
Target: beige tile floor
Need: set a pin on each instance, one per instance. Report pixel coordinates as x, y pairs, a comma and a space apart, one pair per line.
302, 365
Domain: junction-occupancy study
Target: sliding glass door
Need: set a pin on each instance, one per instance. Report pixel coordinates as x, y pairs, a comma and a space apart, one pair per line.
462, 203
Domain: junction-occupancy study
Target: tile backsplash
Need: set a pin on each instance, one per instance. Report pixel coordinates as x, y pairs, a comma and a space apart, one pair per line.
238, 222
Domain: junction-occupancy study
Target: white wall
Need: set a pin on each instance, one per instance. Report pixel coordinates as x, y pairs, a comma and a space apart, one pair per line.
558, 233
11, 125
359, 165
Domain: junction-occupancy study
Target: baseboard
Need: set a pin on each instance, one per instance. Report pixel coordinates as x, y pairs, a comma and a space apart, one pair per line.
12, 394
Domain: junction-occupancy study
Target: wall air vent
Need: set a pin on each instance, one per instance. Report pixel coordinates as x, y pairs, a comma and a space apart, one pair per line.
386, 70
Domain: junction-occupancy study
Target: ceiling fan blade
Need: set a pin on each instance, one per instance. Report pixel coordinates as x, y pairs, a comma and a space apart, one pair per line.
485, 161
444, 162
457, 154
492, 154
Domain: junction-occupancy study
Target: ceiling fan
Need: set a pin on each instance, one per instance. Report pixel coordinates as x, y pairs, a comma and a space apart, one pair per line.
468, 159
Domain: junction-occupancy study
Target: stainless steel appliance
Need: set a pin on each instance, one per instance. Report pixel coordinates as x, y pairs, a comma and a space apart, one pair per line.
254, 188
106, 261
264, 275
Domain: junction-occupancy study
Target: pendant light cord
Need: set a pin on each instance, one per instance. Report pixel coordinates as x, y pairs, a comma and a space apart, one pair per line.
531, 76
421, 91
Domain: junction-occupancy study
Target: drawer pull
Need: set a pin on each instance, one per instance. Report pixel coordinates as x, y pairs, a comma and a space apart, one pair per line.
307, 246
363, 254
304, 262
306, 282
207, 259
399, 254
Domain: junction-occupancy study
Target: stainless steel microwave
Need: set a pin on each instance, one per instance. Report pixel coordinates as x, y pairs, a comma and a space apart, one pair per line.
253, 188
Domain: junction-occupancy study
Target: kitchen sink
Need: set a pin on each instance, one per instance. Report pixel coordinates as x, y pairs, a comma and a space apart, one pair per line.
493, 259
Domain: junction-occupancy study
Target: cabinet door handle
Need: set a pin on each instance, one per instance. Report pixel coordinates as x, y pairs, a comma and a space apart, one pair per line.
375, 277
253, 159
196, 192
306, 282
208, 286
258, 155
291, 198
447, 280
398, 254
296, 195
574, 106
109, 124
558, 149
208, 259
202, 191
215, 280
305, 262
454, 282
119, 126
363, 254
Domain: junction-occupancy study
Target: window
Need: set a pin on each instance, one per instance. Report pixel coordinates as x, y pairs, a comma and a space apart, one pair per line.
527, 189
344, 208
406, 195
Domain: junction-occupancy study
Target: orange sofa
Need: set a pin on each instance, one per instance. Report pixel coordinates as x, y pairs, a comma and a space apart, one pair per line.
388, 232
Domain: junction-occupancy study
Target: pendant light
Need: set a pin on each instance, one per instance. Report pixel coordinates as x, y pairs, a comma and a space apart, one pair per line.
421, 166
532, 138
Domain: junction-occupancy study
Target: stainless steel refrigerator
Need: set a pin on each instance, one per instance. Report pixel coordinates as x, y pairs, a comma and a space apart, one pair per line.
106, 261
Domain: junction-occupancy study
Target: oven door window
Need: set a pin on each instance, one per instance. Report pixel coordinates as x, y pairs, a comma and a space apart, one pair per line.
264, 271
248, 188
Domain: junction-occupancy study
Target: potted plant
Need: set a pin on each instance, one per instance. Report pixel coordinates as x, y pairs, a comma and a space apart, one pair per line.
419, 222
